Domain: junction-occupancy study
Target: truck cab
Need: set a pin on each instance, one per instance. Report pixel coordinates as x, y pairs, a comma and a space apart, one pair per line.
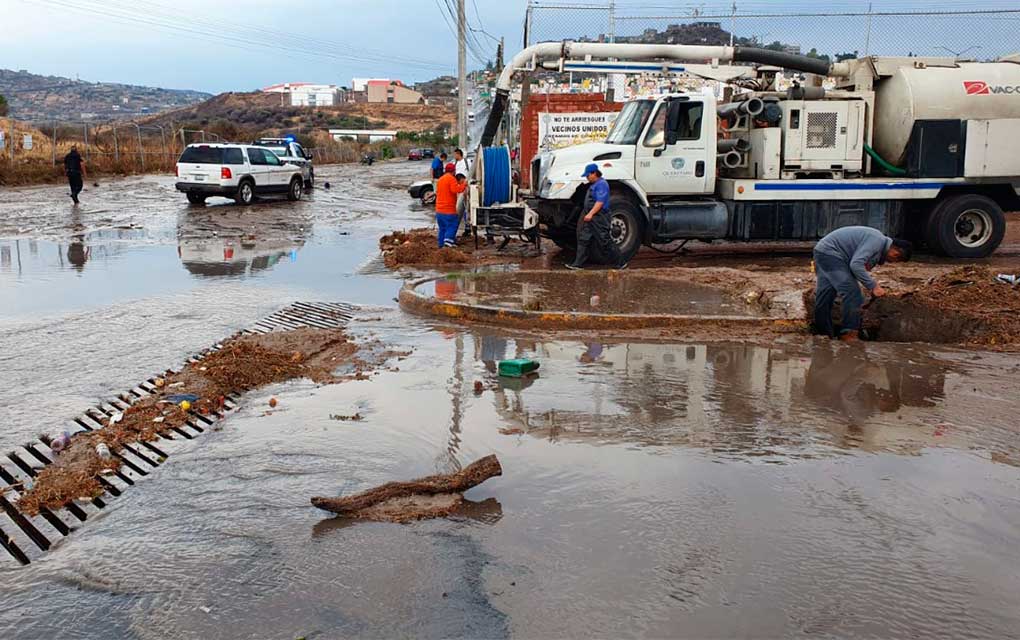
660, 160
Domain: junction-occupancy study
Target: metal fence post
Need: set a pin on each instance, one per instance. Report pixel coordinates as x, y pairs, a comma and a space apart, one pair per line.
867, 33
116, 147
85, 139
53, 145
141, 152
165, 157
10, 127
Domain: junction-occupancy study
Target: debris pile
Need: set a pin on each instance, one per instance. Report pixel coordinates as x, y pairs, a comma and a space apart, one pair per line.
243, 363
967, 305
418, 248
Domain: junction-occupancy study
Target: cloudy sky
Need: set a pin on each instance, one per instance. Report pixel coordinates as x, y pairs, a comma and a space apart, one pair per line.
222, 45
245, 44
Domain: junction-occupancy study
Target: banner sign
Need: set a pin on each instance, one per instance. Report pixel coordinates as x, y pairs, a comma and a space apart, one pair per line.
558, 130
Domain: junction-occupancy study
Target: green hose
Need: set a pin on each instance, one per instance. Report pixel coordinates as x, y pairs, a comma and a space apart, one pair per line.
891, 169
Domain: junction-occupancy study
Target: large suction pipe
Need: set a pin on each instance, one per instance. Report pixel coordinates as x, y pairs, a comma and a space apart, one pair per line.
534, 55
724, 145
731, 159
752, 107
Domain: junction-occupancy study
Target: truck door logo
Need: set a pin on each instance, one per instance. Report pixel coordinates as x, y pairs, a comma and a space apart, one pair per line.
976, 88
678, 163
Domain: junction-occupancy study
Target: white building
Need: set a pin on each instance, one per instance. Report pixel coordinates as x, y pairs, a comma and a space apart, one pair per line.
306, 94
363, 135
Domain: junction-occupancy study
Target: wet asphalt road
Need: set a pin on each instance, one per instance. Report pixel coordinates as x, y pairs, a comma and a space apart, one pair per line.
655, 490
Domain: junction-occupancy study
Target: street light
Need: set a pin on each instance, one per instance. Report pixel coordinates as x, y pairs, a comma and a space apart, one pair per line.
958, 54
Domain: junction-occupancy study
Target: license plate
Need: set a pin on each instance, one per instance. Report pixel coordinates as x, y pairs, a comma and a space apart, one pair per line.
199, 178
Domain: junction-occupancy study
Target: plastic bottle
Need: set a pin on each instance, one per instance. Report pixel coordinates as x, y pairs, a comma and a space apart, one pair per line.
60, 441
103, 451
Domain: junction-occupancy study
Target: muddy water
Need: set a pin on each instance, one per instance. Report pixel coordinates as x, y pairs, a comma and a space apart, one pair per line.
656, 490
589, 291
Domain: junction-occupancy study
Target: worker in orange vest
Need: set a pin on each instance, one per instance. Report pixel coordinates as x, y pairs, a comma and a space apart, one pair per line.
447, 189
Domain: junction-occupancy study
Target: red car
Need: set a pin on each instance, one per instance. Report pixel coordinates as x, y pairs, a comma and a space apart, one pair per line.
415, 154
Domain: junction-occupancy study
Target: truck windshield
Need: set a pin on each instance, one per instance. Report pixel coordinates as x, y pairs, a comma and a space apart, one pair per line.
631, 121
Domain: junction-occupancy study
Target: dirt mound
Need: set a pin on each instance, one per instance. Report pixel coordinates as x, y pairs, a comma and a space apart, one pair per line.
966, 306
242, 364
418, 248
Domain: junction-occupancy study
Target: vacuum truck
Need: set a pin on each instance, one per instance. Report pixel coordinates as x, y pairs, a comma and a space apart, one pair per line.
927, 148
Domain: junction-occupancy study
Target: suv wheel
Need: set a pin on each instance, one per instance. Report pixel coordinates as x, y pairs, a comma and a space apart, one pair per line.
245, 192
196, 198
296, 188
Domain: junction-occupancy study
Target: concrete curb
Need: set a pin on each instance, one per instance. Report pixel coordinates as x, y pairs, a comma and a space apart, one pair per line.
413, 301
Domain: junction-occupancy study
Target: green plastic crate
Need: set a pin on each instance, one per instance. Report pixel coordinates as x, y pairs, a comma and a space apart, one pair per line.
517, 368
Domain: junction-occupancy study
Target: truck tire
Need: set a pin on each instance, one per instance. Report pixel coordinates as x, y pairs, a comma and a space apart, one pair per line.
626, 228
245, 193
295, 189
968, 225
196, 198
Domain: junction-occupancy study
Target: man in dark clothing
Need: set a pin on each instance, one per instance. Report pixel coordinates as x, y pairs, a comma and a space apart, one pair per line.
74, 169
596, 222
842, 262
438, 166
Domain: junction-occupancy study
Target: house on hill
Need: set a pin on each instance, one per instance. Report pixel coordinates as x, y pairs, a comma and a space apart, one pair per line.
392, 91
306, 94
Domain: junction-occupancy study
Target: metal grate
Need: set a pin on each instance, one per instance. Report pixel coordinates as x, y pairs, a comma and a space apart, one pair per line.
821, 130
26, 538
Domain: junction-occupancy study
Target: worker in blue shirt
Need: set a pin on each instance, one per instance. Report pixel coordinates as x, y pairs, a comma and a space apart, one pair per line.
596, 222
438, 166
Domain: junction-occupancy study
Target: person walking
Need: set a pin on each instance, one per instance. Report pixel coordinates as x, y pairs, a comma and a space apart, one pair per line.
843, 259
596, 222
74, 169
447, 189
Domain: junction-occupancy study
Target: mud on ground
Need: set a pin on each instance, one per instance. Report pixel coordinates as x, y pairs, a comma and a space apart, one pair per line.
243, 363
418, 248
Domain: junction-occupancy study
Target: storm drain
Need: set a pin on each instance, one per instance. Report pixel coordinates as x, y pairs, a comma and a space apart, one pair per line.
26, 538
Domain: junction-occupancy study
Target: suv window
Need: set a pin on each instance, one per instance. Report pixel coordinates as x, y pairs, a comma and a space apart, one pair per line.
232, 156
256, 156
202, 155
298, 151
271, 158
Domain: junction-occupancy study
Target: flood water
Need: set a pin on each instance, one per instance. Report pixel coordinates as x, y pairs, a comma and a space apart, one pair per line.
589, 291
649, 489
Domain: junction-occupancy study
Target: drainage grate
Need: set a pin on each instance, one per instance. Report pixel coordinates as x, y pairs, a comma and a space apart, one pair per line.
26, 538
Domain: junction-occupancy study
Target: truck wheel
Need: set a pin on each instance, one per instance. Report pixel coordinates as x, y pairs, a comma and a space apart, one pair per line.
626, 228
196, 198
966, 226
427, 196
245, 193
297, 187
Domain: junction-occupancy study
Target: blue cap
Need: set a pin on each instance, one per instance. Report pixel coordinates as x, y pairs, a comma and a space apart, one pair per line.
588, 169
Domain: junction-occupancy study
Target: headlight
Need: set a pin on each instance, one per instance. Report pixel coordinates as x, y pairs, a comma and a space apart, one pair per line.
556, 186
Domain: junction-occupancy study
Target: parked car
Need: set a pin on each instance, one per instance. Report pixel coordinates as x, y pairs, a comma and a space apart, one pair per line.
238, 171
428, 153
291, 152
415, 154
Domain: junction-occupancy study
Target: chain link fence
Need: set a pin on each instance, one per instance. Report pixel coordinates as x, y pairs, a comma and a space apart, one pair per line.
982, 32
32, 149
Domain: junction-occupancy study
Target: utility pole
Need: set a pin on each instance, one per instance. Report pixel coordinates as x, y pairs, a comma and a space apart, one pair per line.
462, 140
499, 57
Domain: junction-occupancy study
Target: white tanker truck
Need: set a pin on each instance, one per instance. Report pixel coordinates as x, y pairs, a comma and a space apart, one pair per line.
927, 148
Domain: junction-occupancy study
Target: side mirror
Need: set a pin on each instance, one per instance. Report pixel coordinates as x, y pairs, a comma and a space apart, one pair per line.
673, 116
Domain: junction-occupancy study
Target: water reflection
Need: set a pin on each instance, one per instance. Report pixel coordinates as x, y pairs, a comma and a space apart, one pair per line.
735, 399
229, 244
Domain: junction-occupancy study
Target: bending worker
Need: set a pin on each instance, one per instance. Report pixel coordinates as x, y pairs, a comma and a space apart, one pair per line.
447, 190
842, 262
596, 222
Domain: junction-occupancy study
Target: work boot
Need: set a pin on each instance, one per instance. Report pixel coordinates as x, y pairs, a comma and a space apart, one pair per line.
573, 267
852, 335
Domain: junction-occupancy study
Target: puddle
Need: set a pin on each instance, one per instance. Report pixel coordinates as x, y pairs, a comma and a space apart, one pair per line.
653, 490
604, 292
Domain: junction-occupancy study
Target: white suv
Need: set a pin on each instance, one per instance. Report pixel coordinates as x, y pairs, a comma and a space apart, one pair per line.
238, 171
291, 152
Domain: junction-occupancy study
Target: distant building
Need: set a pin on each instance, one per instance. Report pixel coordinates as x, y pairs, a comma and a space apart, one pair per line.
361, 84
363, 135
306, 94
392, 91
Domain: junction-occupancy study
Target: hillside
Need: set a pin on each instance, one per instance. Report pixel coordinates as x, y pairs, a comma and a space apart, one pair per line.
36, 97
240, 115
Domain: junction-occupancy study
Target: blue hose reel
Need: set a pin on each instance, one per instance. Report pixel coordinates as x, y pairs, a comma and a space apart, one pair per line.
496, 178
